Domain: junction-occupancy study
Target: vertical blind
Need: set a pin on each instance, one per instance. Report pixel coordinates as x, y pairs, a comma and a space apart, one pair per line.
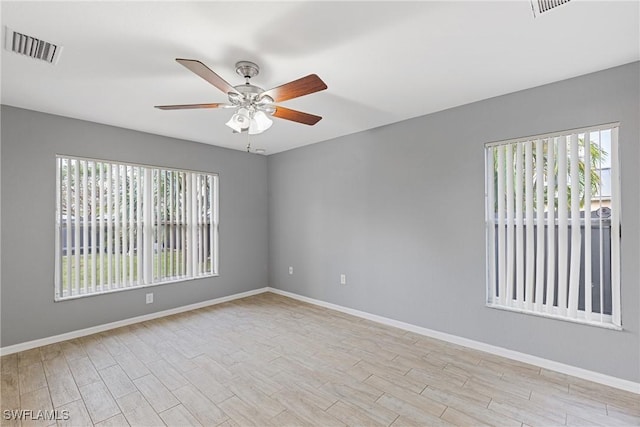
553, 225
120, 226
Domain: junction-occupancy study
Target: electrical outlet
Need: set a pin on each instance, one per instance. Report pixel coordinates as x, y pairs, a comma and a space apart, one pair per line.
150, 298
343, 279
290, 270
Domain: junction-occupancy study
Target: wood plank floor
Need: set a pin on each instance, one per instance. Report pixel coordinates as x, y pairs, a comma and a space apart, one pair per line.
268, 360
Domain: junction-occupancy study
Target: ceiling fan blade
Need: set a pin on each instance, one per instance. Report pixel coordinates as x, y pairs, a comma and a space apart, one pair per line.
296, 116
303, 86
191, 106
206, 73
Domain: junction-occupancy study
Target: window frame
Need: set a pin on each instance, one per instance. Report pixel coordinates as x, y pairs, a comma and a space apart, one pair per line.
149, 256
607, 321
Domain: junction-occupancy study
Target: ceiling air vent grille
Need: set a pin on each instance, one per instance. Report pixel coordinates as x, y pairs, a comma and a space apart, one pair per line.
33, 47
541, 6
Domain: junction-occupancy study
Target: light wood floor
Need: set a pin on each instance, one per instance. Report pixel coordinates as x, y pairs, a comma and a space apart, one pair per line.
268, 360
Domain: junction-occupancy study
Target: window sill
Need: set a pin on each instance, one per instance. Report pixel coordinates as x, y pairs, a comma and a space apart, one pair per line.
580, 320
131, 288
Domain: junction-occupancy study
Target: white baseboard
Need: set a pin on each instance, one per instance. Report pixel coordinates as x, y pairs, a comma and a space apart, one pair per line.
585, 374
113, 325
477, 345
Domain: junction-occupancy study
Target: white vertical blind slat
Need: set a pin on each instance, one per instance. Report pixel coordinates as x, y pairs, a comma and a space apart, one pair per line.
158, 235
132, 226
615, 230
188, 216
203, 221
214, 225
205, 229
563, 225
156, 224
502, 258
540, 244
170, 268
76, 228
576, 235
126, 223
185, 222
197, 236
587, 226
164, 268
551, 229
183, 225
85, 226
139, 229
519, 238
109, 225
212, 268
490, 168
58, 282
122, 235
199, 213
530, 226
104, 213
94, 214
193, 228
159, 226
68, 245
117, 233
177, 226
510, 225
147, 225
180, 218
601, 235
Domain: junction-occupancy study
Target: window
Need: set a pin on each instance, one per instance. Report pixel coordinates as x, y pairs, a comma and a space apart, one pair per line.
553, 225
121, 226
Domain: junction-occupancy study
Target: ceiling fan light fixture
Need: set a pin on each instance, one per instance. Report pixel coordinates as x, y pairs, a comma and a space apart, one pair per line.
240, 121
235, 98
264, 100
259, 123
268, 109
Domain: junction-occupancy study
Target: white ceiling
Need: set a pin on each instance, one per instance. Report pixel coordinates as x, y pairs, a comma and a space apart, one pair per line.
382, 61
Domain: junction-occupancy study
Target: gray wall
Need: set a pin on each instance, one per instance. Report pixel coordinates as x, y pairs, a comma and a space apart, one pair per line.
400, 210
376, 206
30, 141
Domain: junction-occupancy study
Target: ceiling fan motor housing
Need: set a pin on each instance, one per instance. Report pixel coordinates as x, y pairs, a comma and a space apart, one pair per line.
247, 69
249, 97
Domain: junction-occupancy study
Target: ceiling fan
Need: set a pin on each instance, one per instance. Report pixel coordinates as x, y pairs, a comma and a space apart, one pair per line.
253, 104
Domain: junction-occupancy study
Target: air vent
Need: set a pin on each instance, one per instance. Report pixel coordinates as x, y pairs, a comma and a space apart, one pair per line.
541, 6
30, 46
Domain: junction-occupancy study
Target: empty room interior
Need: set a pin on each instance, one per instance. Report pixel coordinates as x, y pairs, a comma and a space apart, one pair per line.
320, 213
